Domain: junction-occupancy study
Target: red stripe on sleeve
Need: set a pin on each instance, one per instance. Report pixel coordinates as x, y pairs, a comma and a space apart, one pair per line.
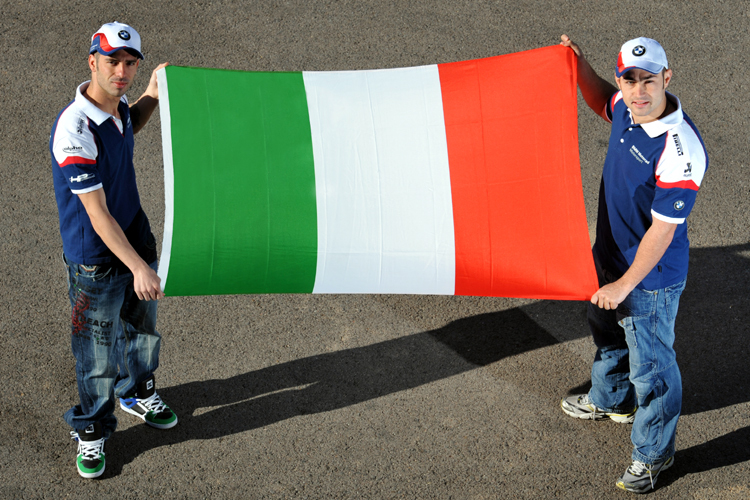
519, 218
689, 184
72, 160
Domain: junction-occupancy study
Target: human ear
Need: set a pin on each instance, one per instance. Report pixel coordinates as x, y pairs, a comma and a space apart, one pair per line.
667, 77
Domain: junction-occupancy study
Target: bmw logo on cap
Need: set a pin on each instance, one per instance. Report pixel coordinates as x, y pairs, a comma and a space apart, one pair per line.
124, 35
679, 205
639, 50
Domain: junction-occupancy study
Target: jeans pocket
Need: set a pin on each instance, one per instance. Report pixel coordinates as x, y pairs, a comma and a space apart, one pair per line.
637, 335
626, 322
93, 273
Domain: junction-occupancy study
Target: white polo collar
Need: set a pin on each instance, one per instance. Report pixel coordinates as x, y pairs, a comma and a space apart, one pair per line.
95, 114
658, 127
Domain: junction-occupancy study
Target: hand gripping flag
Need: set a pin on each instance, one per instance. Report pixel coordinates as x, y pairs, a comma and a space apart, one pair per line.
459, 178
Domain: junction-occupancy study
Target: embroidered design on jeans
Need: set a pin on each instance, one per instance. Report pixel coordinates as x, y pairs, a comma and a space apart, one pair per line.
83, 302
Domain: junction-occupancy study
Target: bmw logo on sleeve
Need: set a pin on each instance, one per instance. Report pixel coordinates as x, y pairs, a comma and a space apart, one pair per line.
639, 50
679, 205
124, 35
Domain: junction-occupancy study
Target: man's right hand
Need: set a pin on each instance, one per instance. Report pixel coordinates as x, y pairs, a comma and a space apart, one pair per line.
146, 283
567, 42
595, 90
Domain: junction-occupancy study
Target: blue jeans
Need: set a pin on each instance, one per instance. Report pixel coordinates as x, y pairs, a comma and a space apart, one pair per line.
636, 365
113, 338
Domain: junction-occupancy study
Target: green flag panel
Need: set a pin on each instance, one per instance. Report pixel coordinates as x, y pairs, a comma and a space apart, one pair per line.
244, 183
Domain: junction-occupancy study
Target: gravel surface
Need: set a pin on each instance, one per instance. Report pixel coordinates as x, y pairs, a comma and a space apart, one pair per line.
369, 396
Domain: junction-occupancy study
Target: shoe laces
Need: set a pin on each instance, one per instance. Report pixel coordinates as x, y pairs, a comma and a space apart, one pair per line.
89, 449
154, 403
638, 468
594, 409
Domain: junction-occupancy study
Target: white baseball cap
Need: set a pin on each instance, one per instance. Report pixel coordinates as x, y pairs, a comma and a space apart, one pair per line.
642, 53
112, 37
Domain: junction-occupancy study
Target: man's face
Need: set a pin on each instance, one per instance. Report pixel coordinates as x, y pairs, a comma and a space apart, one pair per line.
645, 93
114, 73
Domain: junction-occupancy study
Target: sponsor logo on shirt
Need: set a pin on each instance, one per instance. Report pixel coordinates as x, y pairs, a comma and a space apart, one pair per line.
679, 205
82, 177
79, 128
689, 170
677, 144
637, 154
72, 149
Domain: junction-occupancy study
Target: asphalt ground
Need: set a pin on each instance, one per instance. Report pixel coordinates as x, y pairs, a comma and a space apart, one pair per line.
369, 396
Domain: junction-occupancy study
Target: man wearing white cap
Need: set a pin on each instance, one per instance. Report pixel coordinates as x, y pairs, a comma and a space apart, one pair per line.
108, 247
655, 164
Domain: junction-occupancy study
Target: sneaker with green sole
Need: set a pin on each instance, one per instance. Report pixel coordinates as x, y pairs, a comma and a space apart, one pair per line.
90, 460
148, 406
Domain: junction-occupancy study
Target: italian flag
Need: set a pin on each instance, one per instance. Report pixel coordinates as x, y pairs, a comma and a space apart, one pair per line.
459, 178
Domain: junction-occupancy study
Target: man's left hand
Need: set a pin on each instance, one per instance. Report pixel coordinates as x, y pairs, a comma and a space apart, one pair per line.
153, 87
610, 296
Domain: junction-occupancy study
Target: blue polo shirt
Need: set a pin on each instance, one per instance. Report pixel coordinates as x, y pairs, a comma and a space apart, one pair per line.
651, 170
91, 150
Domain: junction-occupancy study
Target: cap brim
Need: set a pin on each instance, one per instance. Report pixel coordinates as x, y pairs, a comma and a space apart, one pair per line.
653, 68
129, 50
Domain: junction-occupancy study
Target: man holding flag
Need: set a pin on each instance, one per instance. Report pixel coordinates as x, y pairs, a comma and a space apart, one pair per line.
654, 166
108, 247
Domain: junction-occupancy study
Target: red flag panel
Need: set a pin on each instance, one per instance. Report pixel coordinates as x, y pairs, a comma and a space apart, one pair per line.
519, 217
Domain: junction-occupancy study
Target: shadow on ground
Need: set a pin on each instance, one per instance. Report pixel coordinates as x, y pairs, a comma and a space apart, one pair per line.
214, 408
710, 331
729, 449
